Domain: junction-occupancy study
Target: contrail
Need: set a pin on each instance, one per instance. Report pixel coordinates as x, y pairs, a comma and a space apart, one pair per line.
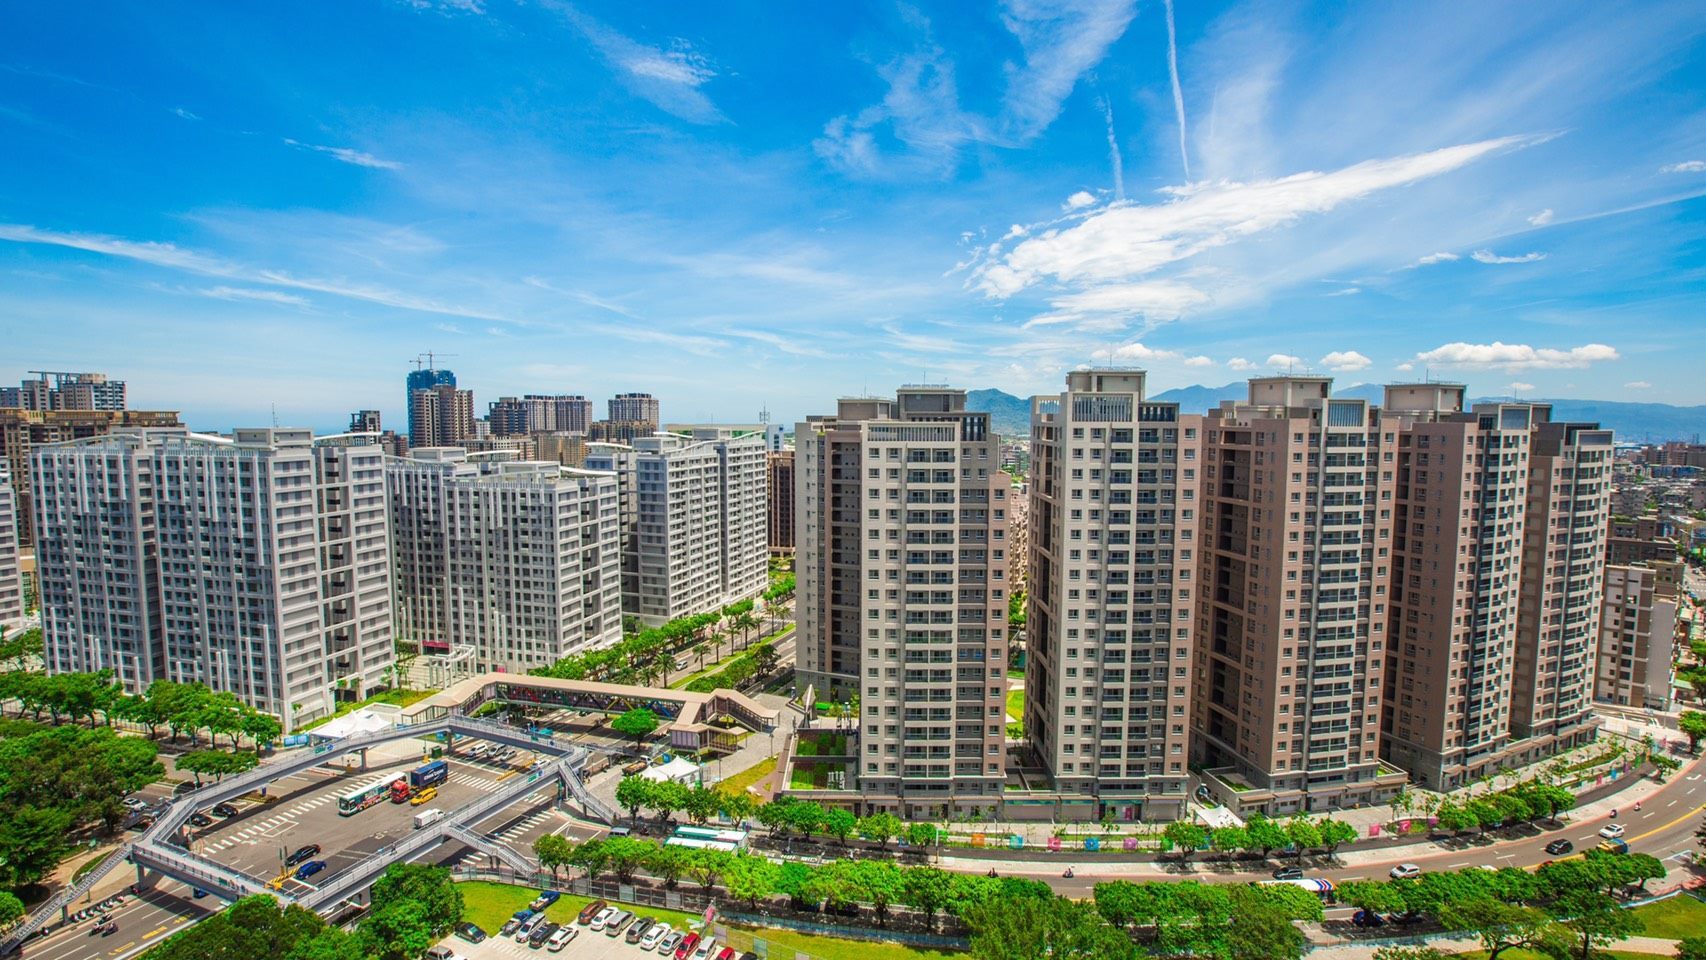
1178, 96
1114, 152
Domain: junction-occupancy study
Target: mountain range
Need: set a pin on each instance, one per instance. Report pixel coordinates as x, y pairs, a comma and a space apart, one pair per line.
1630, 421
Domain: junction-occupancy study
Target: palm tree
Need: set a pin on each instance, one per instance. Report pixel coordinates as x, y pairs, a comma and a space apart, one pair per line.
700, 650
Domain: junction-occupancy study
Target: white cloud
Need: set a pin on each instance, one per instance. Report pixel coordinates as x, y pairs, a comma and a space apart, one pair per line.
1346, 292
1441, 257
1129, 240
1519, 387
344, 154
1406, 366
245, 293
1082, 198
1345, 361
184, 114
1114, 305
1241, 364
1686, 166
1199, 361
1061, 39
1178, 95
1515, 356
1016, 230
1284, 360
1638, 385
1135, 352
1542, 218
668, 79
1488, 256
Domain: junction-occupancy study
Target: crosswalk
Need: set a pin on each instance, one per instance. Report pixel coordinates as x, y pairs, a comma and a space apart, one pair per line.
264, 830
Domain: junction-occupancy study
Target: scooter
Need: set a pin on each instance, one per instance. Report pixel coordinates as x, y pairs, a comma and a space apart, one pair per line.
1068, 873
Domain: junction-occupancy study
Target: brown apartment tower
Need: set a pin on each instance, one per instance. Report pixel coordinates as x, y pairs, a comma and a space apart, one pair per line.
23, 430
1297, 515
902, 599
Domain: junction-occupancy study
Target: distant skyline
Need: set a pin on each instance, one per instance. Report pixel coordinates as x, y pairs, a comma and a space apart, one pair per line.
734, 208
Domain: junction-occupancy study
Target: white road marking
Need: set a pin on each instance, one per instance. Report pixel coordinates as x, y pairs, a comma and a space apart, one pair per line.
1456, 865
1671, 804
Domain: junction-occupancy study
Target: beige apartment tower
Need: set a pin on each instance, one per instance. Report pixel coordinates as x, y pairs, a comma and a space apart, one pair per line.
23, 430
1637, 634
901, 566
1114, 497
1297, 525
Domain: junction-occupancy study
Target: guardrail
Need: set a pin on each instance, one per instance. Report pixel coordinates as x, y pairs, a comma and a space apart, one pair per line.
479, 841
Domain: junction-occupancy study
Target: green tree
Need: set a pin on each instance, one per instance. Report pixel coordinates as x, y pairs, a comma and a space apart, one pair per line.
552, 850
1595, 919
1265, 834
1261, 929
1056, 928
260, 728
638, 723
634, 792
21, 647
1455, 817
1303, 834
881, 827
806, 818
1691, 948
250, 929
879, 883
668, 797
702, 803
922, 834
839, 823
706, 867
32, 839
1692, 723
624, 855
11, 908
1372, 895
667, 863
1502, 926
412, 906
1183, 836
751, 878
1335, 833
926, 890
589, 858
1412, 953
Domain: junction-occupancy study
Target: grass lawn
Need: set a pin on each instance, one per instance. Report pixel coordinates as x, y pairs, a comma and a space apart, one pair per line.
397, 697
1680, 916
1520, 954
489, 904
1016, 704
746, 778
821, 745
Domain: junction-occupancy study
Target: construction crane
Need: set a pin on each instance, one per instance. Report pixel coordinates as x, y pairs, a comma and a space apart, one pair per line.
424, 361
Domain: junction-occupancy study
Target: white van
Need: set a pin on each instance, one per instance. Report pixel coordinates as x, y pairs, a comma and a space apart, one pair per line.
428, 817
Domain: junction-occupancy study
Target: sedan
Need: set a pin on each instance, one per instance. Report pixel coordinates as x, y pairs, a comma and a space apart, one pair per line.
470, 932
1288, 873
200, 820
1559, 847
670, 941
1611, 831
302, 855
1405, 871
135, 803
309, 869
225, 810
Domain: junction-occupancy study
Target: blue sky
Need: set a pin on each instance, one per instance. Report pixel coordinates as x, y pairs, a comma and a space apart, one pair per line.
742, 205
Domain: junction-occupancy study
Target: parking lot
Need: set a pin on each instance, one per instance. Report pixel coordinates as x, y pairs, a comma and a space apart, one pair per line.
588, 944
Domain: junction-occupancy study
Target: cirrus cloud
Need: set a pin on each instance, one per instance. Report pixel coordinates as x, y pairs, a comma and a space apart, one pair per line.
1488, 256
1686, 166
1515, 356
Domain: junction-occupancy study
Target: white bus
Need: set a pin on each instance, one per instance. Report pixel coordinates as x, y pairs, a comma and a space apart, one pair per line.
365, 796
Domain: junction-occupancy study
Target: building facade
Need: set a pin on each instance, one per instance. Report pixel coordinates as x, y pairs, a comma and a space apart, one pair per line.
694, 518
21, 431
1114, 496
902, 595
1297, 520
779, 474
65, 391
635, 408
1637, 637
540, 414
441, 416
11, 566
500, 563
253, 565
365, 421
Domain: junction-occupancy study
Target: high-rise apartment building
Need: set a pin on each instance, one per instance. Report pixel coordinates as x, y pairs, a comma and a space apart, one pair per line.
365, 421
503, 564
1637, 634
1114, 495
440, 416
693, 520
779, 474
1292, 613
65, 391
11, 569
540, 414
255, 565
901, 566
635, 407
23, 430
1491, 644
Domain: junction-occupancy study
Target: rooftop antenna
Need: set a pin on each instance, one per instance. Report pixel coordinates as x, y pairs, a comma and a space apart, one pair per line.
275, 416
764, 415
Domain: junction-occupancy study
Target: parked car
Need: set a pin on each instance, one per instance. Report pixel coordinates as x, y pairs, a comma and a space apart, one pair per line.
135, 803
1405, 871
706, 949
669, 941
727, 954
301, 854
443, 953
542, 933
749, 955
603, 918
639, 928
654, 935
638, 766
615, 925
528, 926
514, 922
470, 933
1559, 846
1367, 918
1611, 831
309, 869
589, 911
1288, 873
200, 820
561, 938
685, 947
225, 810
545, 899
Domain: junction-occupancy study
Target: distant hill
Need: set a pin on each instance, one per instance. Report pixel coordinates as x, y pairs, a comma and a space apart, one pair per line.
1641, 422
